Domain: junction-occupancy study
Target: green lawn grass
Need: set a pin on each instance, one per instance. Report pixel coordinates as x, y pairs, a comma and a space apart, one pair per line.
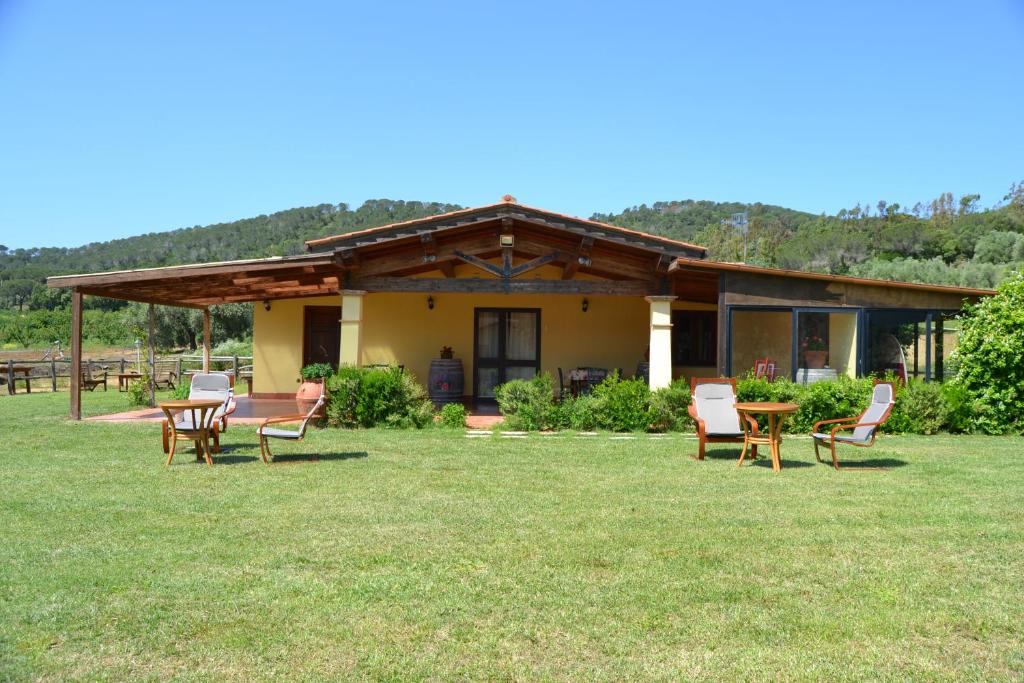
429, 555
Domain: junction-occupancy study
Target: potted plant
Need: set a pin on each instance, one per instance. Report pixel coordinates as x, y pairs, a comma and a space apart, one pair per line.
313, 377
815, 352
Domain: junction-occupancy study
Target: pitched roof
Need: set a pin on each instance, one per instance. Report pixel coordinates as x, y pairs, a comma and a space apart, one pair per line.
508, 207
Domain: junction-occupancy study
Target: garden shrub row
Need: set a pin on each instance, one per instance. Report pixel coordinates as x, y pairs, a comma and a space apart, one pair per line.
630, 406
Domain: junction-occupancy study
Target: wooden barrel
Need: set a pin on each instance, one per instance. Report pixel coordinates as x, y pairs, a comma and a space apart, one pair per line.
445, 381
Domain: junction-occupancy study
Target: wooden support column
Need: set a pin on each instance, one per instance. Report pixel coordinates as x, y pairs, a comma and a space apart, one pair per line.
351, 327
76, 354
206, 341
661, 341
723, 332
152, 356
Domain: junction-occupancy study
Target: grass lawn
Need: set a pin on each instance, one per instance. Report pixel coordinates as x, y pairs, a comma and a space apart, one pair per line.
429, 555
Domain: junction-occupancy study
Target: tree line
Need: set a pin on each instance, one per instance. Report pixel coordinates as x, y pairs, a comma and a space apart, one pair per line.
948, 240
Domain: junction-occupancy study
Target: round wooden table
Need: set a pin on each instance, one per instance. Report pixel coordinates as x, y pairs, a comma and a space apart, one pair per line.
202, 421
776, 413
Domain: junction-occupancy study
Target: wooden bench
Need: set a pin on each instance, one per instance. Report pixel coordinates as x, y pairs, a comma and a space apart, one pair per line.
90, 382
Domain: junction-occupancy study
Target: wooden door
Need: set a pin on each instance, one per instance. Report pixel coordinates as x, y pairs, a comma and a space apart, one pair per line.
321, 335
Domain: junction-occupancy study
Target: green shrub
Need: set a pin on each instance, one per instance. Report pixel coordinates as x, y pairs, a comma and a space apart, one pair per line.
233, 347
842, 397
920, 409
453, 415
960, 415
317, 371
390, 397
138, 392
361, 397
581, 413
342, 396
990, 359
623, 405
670, 407
182, 389
528, 404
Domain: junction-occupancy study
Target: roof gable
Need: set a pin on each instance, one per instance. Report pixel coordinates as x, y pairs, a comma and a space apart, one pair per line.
509, 209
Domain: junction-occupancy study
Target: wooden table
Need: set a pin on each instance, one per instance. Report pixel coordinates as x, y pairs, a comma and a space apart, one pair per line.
124, 378
776, 413
200, 414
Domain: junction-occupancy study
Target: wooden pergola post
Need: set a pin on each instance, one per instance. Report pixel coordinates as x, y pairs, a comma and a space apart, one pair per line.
152, 356
76, 354
206, 341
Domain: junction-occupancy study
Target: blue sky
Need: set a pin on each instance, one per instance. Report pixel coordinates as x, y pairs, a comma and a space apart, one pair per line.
119, 119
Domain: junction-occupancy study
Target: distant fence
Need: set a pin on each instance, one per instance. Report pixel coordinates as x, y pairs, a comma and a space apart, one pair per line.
166, 370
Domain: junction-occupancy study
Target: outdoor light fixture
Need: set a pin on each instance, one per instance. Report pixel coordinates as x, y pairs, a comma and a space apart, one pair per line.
430, 302
507, 240
586, 305
266, 304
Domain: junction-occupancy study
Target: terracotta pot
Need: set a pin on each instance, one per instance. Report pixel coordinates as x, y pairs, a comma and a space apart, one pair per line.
308, 394
815, 359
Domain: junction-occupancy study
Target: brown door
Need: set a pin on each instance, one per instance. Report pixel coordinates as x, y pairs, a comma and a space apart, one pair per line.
321, 337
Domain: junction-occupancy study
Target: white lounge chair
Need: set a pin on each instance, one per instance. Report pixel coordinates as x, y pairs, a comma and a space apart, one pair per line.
713, 408
864, 426
266, 432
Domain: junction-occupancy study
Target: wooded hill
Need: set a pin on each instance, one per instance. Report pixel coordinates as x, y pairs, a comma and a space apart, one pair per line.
949, 240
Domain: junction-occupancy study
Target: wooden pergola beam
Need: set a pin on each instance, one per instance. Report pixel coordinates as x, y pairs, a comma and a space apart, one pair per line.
506, 286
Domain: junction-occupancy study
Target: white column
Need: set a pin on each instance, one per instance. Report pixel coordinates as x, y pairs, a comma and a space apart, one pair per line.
351, 327
661, 341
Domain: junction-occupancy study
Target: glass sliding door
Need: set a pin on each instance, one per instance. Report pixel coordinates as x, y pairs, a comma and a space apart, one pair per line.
507, 347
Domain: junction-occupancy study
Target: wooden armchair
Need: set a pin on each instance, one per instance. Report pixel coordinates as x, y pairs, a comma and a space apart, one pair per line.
91, 381
713, 408
864, 427
265, 431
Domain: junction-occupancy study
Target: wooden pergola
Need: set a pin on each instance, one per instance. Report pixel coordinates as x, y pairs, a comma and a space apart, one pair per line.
194, 286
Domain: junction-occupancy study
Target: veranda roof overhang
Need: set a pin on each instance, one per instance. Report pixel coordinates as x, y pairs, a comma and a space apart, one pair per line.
205, 284
685, 265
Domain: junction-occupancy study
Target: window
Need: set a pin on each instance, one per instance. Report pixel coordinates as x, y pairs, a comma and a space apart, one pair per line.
695, 338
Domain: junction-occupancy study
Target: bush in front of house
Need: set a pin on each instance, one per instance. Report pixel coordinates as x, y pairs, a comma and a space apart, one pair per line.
453, 416
377, 397
670, 407
529, 404
623, 405
990, 359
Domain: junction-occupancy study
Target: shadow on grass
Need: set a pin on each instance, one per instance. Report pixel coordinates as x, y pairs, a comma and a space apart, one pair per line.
786, 464
878, 464
286, 458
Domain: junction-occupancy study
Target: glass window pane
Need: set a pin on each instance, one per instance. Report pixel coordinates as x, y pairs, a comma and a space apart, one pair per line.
487, 379
519, 372
521, 339
487, 334
758, 335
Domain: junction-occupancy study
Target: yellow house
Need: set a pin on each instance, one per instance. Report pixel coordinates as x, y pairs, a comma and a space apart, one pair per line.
514, 290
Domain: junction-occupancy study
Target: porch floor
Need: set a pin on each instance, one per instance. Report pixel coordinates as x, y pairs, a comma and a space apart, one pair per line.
247, 411
255, 410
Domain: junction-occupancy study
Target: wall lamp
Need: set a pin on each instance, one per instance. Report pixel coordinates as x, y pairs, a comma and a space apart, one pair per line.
430, 302
586, 305
266, 304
